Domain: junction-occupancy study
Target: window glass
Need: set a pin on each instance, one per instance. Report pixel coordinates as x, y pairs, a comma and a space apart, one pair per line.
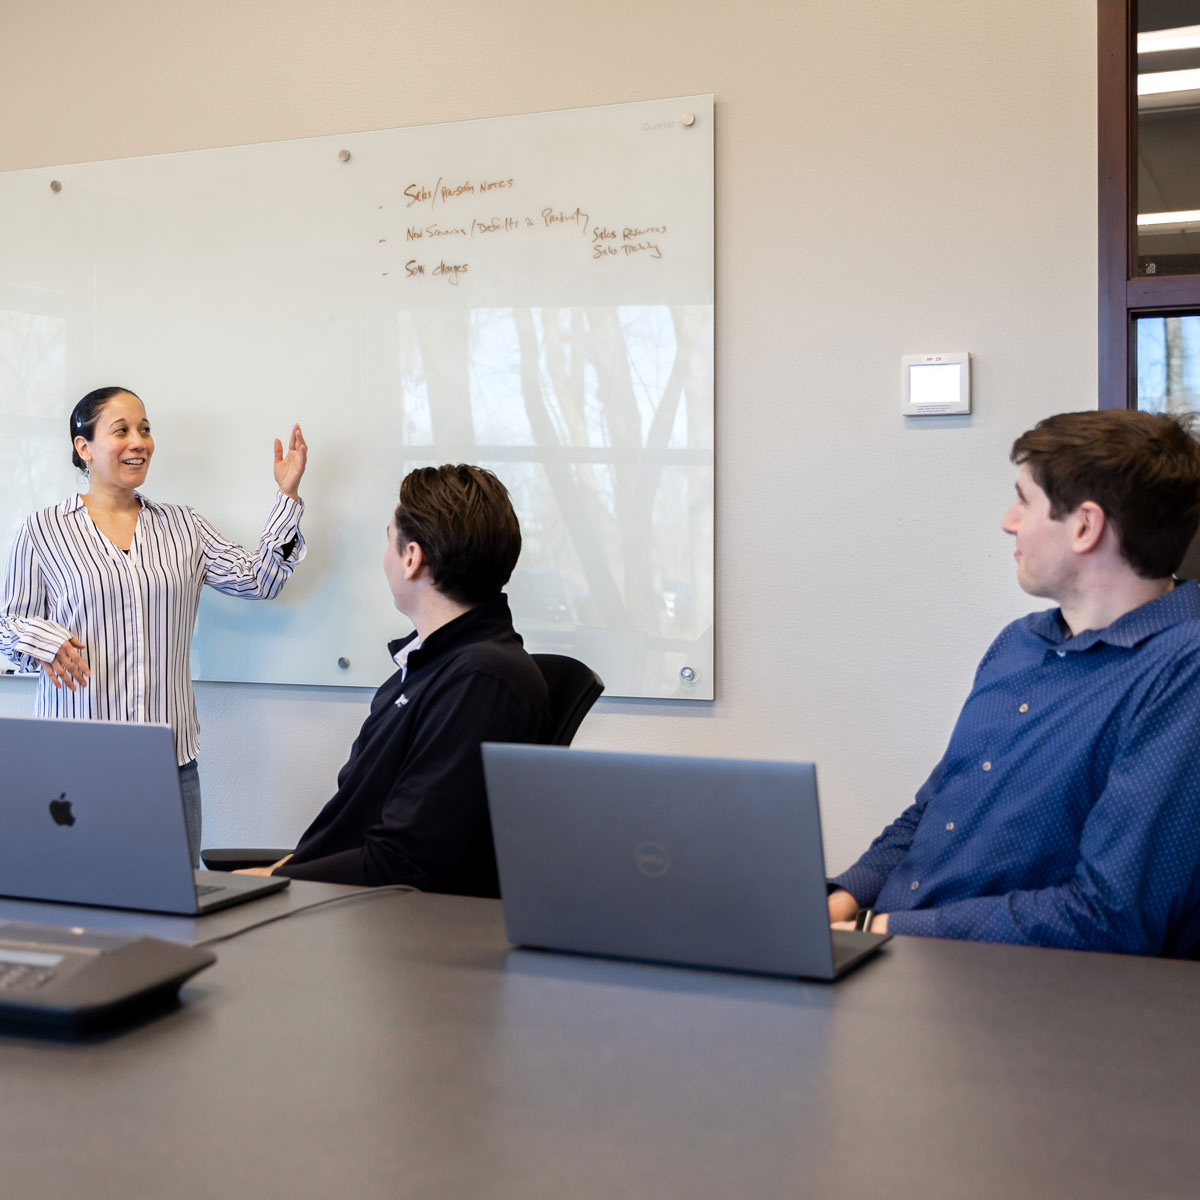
1168, 364
1167, 183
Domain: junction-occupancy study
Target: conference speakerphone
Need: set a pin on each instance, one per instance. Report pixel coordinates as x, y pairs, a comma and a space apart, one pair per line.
80, 980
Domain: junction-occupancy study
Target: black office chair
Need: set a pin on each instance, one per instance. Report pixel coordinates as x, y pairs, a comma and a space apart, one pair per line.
573, 686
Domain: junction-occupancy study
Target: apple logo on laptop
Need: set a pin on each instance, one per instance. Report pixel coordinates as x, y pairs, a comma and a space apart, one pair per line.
60, 810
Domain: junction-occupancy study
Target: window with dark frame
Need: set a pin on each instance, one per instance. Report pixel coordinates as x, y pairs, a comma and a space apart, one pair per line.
1149, 203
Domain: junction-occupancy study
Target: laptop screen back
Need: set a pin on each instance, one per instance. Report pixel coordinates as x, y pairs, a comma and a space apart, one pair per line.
712, 862
93, 815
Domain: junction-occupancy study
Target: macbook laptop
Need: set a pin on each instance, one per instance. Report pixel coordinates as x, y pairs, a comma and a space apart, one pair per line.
698, 861
93, 814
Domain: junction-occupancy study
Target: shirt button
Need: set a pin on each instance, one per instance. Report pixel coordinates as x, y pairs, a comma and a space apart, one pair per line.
949, 825
1023, 708
987, 766
916, 883
1061, 653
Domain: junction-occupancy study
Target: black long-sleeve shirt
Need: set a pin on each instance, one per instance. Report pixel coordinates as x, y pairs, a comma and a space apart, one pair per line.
410, 805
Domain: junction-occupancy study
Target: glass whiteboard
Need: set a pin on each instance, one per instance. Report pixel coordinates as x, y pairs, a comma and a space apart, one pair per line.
532, 293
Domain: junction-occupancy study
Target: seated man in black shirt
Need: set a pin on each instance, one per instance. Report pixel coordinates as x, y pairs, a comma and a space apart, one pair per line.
410, 805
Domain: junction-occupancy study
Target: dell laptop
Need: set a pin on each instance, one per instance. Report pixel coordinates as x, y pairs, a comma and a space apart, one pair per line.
697, 861
93, 814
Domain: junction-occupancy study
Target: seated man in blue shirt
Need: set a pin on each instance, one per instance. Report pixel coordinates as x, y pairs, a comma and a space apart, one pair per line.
1066, 809
410, 806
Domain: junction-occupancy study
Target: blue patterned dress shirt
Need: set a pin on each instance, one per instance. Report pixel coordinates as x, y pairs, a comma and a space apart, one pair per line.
1066, 809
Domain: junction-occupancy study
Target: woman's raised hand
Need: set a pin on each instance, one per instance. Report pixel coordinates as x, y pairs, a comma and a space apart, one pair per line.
68, 666
289, 467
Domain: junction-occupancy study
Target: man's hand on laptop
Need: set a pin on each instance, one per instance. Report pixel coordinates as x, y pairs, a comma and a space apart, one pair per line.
844, 909
879, 924
263, 870
842, 906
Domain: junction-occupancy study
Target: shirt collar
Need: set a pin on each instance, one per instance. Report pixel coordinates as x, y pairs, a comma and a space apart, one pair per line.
75, 503
1181, 603
400, 649
484, 621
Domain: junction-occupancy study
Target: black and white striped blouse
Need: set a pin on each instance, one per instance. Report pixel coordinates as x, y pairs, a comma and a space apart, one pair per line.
135, 612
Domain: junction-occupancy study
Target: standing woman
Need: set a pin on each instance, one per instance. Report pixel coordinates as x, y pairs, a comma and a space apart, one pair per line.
102, 590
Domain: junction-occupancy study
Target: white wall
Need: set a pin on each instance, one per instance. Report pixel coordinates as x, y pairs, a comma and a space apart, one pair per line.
893, 176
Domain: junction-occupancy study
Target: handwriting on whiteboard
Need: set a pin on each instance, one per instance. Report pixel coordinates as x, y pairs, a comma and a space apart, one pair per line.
604, 241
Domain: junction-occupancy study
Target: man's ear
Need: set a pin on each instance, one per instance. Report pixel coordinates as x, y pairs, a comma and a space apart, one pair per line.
414, 560
1088, 526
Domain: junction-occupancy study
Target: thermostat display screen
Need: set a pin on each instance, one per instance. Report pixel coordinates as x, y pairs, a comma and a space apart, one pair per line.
934, 383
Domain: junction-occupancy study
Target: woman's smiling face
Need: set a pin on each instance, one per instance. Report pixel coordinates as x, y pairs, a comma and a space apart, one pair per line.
119, 454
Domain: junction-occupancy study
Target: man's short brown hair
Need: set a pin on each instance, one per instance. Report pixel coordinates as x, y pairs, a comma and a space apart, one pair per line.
1142, 469
464, 522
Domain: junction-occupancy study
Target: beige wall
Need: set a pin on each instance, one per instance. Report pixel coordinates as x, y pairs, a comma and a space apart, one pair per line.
892, 177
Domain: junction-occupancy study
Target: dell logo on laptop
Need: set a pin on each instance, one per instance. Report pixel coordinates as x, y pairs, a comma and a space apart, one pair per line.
651, 859
60, 810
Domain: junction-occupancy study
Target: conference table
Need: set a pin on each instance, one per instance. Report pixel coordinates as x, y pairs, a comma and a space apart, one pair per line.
395, 1045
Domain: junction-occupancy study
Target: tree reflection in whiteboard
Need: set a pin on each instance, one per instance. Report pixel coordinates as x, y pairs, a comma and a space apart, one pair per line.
35, 452
600, 422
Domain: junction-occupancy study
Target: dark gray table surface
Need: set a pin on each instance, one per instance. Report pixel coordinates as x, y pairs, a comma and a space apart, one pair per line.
297, 895
396, 1046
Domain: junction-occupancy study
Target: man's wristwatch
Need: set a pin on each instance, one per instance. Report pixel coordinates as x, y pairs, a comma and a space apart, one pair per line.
864, 919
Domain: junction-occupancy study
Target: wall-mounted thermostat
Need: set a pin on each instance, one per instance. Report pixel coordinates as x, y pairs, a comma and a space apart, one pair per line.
935, 385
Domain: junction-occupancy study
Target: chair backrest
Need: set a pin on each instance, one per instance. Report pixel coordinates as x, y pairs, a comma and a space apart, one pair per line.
574, 687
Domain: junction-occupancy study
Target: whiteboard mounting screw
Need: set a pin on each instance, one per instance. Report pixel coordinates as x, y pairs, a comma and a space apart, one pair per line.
343, 156
55, 185
687, 674
689, 119
344, 663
